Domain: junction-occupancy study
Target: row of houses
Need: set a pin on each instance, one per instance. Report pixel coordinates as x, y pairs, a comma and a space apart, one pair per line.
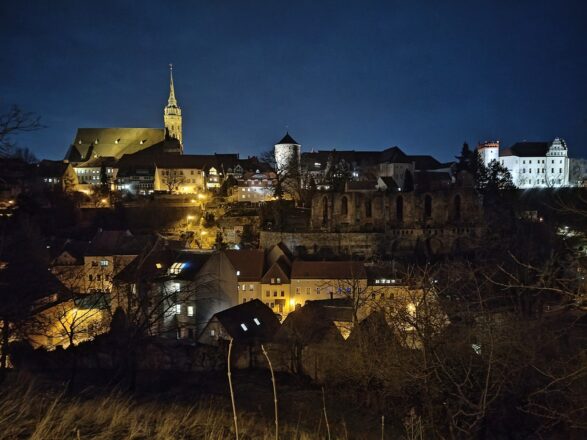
179, 291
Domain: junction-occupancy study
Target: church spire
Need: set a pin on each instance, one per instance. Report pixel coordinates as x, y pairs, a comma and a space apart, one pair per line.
171, 102
172, 113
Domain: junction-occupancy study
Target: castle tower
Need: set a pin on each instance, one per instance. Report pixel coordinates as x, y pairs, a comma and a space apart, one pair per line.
489, 151
172, 113
287, 152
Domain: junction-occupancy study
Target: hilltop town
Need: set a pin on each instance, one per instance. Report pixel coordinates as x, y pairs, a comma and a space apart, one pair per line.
342, 266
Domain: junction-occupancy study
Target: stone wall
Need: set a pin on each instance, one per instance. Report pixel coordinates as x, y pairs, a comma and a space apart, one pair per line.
364, 211
394, 242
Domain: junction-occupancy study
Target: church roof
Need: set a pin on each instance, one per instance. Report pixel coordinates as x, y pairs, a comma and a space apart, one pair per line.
287, 139
97, 162
113, 142
527, 149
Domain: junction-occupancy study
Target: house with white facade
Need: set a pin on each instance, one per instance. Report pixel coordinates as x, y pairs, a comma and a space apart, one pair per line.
531, 164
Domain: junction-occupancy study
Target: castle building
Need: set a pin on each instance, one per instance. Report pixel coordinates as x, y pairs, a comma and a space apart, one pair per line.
531, 164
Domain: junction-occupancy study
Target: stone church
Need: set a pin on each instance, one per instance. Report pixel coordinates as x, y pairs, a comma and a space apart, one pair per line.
94, 143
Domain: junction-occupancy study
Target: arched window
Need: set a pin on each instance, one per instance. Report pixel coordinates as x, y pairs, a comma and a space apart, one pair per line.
324, 211
368, 209
427, 207
457, 207
344, 206
399, 209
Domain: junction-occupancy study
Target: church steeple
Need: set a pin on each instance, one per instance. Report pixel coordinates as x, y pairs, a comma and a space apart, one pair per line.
171, 102
172, 113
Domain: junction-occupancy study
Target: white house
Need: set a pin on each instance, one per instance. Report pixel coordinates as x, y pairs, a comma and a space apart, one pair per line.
531, 164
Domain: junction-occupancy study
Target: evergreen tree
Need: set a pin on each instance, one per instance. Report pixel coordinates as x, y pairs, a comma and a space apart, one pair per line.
464, 158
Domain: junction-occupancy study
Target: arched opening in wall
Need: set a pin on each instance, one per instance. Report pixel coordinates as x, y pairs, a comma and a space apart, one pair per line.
457, 207
399, 208
427, 207
344, 206
324, 211
368, 209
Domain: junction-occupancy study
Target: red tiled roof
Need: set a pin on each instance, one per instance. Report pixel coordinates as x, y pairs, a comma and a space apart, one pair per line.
335, 270
249, 262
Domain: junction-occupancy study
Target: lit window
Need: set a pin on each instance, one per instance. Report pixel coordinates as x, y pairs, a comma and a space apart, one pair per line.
257, 321
251, 287
238, 272
176, 268
212, 332
178, 309
158, 265
244, 327
104, 263
278, 280
190, 310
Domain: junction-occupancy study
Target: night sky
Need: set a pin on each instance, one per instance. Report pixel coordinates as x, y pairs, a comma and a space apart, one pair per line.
422, 75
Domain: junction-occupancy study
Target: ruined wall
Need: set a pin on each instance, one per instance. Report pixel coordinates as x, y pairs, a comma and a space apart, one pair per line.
395, 242
362, 211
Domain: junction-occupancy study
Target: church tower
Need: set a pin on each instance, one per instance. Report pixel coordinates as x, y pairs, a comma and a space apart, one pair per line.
172, 114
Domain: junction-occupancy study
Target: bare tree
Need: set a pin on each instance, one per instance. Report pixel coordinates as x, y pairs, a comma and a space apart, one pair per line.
172, 179
14, 122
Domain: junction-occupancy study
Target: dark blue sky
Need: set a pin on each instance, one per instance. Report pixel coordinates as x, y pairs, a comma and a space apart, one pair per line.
423, 75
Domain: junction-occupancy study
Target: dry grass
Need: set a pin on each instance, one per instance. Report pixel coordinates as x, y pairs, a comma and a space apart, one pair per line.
26, 412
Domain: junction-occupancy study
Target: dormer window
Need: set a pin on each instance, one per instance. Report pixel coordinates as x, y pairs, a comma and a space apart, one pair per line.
257, 321
244, 327
96, 141
117, 141
143, 141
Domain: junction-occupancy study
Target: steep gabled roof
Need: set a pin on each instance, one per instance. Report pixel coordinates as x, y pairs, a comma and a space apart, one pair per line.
331, 270
426, 162
95, 162
280, 269
248, 262
276, 252
394, 155
113, 142
250, 321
